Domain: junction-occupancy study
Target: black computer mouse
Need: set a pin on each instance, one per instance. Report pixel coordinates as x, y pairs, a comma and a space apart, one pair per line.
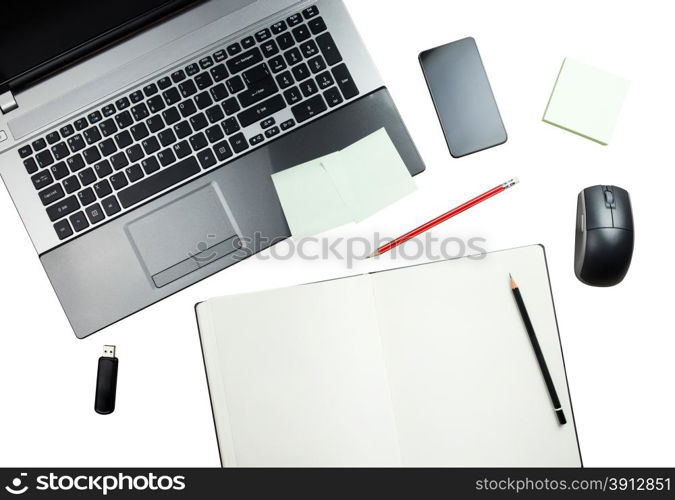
605, 236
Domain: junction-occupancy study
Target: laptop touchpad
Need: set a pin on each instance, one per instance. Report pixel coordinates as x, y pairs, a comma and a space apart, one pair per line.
184, 235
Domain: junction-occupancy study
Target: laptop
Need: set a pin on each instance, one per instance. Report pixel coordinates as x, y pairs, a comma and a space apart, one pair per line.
138, 137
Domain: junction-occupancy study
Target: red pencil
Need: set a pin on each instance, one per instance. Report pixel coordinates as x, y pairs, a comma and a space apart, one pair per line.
449, 215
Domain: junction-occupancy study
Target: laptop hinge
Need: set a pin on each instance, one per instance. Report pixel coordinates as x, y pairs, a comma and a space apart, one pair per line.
7, 102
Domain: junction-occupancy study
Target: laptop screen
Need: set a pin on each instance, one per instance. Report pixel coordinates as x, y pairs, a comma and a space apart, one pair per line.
37, 37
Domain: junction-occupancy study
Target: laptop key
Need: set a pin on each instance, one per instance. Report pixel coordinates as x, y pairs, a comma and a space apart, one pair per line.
158, 182
192, 69
287, 124
150, 90
140, 111
94, 213
214, 134
272, 132
329, 49
39, 144
25, 151
293, 56
316, 64
150, 165
166, 157
167, 136
79, 222
150, 145
103, 169
285, 80
51, 194
122, 103
187, 108
333, 97
198, 141
219, 92
124, 120
76, 143
263, 35
171, 96
102, 188
301, 33
309, 88
219, 56
285, 41
278, 64
53, 137
164, 83
119, 180
182, 149
231, 106
44, 158
308, 109
91, 135
139, 131
60, 170
31, 165
256, 139
230, 126
71, 184
301, 72
156, 104
317, 25
109, 110
178, 76
309, 49
325, 80
75, 163
67, 131
261, 110
294, 20
86, 197
235, 84
42, 179
270, 48
171, 116
119, 161
203, 100
60, 151
123, 139
345, 81
310, 12
206, 62
293, 96
187, 88
214, 114
108, 127
244, 60
63, 229
81, 124
94, 117
257, 92
234, 49
222, 151
134, 173
238, 143
248, 42
199, 122
219, 73
63, 208
111, 206
206, 159
107, 147
135, 153
155, 123
136, 96
204, 80
87, 176
279, 27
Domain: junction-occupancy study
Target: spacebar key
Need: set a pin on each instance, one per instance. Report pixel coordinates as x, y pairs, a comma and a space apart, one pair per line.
159, 182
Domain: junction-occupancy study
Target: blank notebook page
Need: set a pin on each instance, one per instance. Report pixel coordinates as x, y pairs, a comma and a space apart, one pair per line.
297, 377
466, 386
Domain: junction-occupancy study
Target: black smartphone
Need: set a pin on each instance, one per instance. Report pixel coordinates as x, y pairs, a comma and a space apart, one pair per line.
463, 98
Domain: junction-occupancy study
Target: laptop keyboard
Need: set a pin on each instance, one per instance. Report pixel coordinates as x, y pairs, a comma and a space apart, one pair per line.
186, 122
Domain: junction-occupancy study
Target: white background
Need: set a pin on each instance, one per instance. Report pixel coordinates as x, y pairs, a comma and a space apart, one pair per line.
618, 343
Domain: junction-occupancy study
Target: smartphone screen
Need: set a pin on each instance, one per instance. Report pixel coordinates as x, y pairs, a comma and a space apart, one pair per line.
463, 98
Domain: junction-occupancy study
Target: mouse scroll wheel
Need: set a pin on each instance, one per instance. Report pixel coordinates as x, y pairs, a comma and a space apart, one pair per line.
609, 199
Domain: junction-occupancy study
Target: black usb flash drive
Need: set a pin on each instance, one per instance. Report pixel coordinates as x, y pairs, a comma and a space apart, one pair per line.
106, 381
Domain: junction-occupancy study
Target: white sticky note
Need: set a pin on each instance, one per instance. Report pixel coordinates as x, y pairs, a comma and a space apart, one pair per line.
586, 101
370, 175
346, 186
310, 200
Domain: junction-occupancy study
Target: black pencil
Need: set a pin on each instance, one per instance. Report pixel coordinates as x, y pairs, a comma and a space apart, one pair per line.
557, 407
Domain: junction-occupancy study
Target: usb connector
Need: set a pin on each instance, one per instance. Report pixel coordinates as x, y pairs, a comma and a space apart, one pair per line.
106, 381
108, 351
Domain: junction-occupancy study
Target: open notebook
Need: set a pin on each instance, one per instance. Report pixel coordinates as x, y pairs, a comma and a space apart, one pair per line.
422, 366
